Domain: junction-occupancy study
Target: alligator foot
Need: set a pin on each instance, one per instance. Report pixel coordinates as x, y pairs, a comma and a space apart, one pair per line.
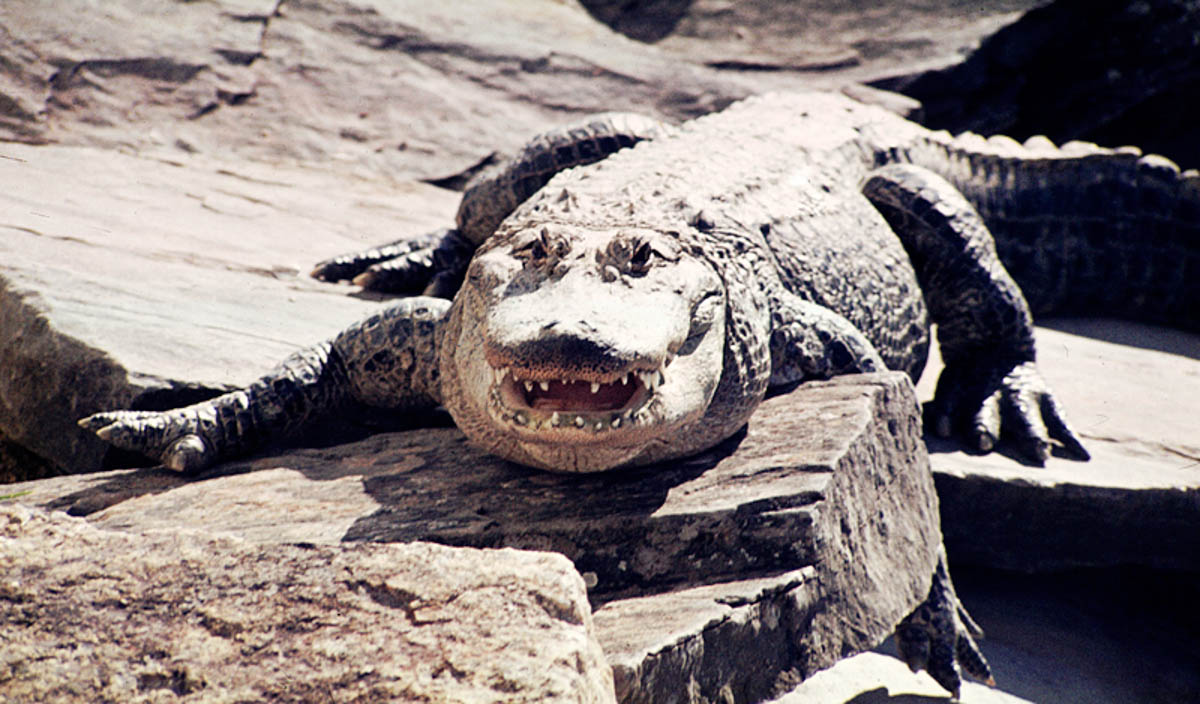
310, 383
174, 438
982, 399
939, 636
432, 264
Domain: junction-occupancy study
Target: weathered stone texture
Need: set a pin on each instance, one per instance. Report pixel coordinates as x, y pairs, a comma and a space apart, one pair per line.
130, 281
826, 42
802, 540
95, 615
1130, 390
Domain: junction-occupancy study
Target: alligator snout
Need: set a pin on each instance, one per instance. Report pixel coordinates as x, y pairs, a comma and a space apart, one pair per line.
579, 352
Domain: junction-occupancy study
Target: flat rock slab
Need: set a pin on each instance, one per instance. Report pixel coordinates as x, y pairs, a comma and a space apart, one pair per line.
804, 539
131, 281
738, 641
96, 615
826, 42
1133, 392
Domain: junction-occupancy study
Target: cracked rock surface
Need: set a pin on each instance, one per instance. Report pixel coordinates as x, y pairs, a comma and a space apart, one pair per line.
741, 571
1131, 391
98, 615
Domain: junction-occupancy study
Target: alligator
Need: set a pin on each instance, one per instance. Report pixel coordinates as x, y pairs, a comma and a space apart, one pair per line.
626, 292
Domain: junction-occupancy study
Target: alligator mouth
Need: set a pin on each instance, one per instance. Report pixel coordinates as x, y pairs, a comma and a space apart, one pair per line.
573, 403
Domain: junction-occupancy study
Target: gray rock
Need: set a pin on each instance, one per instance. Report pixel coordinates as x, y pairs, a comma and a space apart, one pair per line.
97, 615
747, 568
131, 281
1130, 390
402, 88
1083, 637
828, 43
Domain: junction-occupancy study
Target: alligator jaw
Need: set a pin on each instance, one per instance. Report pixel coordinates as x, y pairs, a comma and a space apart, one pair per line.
549, 405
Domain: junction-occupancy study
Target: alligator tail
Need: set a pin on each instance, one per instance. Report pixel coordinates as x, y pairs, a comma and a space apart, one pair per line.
1083, 229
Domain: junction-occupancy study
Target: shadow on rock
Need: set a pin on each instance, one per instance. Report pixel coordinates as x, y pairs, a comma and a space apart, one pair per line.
882, 696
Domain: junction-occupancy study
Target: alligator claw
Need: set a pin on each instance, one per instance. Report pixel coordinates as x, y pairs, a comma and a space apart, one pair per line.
168, 437
939, 637
984, 401
346, 267
431, 264
188, 454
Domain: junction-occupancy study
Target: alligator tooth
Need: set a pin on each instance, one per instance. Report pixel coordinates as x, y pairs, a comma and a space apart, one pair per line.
599, 425
595, 387
545, 385
528, 385
521, 418
616, 421
554, 419
565, 382
625, 379
579, 421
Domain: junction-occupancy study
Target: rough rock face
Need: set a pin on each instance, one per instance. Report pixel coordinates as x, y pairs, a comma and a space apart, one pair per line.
1131, 391
827, 42
741, 571
398, 88
97, 615
130, 280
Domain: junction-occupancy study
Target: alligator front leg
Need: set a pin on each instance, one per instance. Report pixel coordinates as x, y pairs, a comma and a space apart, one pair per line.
436, 262
386, 361
990, 383
809, 341
939, 636
309, 383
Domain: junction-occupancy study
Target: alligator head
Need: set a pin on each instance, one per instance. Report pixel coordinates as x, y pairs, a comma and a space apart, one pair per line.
579, 350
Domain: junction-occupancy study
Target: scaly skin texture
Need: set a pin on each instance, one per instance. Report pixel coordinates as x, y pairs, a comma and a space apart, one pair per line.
630, 305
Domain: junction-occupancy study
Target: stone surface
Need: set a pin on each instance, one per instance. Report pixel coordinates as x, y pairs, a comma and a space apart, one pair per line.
827, 43
1084, 637
132, 281
97, 615
1131, 390
401, 88
746, 640
738, 641
803, 540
